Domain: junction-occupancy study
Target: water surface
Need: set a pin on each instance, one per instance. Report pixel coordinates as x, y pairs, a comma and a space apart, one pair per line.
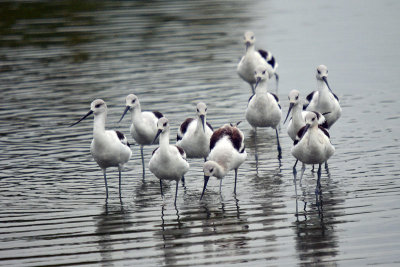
58, 57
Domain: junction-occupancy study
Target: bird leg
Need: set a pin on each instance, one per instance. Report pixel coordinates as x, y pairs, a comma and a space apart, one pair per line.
236, 171
279, 145
105, 182
176, 192
162, 194
119, 172
141, 152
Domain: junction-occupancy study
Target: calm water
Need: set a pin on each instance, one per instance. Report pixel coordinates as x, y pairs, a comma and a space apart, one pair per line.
55, 58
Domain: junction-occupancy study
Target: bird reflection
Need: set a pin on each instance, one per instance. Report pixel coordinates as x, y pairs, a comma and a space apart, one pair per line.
316, 237
171, 231
261, 143
110, 222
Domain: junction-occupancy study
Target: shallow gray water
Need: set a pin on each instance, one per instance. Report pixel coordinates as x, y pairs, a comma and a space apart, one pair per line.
57, 57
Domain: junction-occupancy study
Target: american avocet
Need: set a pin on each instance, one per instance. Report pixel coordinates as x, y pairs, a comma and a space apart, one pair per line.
324, 100
298, 115
312, 144
144, 124
227, 153
254, 58
168, 162
263, 109
194, 134
108, 148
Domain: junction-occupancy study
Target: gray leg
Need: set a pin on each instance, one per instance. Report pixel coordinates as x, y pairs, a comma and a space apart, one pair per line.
141, 152
162, 194
105, 182
176, 191
317, 190
294, 167
326, 165
220, 185
119, 171
278, 144
277, 82
295, 188
236, 171
303, 168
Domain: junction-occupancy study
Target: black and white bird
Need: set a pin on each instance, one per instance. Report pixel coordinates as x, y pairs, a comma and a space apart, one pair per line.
108, 148
254, 58
298, 115
168, 162
312, 144
263, 109
144, 123
195, 133
227, 153
324, 100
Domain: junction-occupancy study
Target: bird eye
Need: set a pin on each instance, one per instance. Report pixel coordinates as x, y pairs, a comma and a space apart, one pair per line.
313, 119
255, 72
198, 110
326, 71
212, 169
206, 109
263, 72
297, 97
133, 101
252, 37
319, 72
97, 106
165, 124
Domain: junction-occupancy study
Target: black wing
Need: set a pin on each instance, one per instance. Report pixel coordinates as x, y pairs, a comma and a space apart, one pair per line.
277, 99
185, 125
263, 53
309, 98
122, 138
272, 62
158, 114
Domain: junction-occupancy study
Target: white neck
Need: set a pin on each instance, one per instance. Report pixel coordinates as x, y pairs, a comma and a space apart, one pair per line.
296, 115
262, 87
250, 48
99, 124
164, 140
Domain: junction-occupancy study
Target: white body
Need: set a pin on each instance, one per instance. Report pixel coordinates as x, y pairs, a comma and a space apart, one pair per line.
144, 126
263, 110
323, 99
314, 147
248, 64
167, 163
226, 156
196, 141
106, 148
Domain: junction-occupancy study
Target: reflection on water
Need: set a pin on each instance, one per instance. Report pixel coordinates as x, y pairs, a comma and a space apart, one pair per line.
57, 56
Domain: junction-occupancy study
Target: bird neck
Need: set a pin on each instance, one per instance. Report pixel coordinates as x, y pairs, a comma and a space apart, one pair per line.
322, 87
250, 48
199, 126
99, 125
164, 140
262, 87
297, 116
136, 114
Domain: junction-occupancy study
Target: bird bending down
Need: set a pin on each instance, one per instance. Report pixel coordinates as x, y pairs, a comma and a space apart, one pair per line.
254, 58
324, 100
144, 124
227, 153
263, 109
312, 144
108, 148
168, 162
194, 134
